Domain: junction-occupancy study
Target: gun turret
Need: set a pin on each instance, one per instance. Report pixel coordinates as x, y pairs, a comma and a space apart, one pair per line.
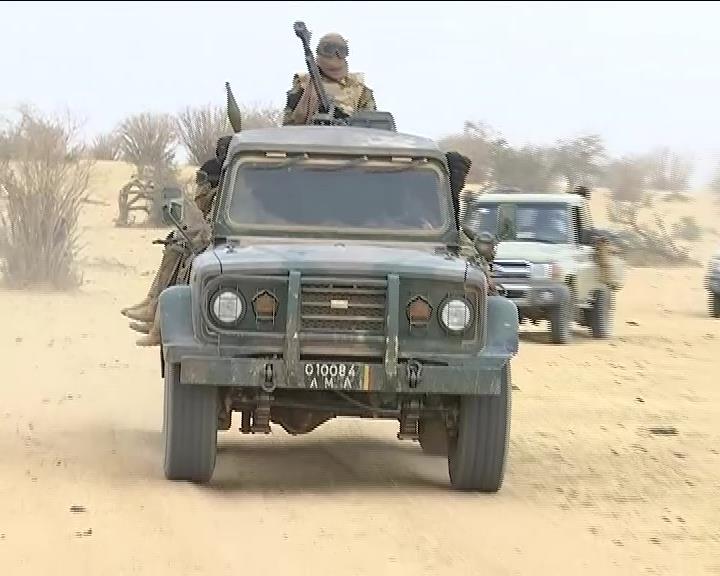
328, 113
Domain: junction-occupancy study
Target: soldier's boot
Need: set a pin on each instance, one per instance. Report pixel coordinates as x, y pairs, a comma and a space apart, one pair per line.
142, 327
153, 336
145, 311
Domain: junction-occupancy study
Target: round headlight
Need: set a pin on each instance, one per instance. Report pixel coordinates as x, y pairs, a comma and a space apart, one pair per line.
456, 315
227, 307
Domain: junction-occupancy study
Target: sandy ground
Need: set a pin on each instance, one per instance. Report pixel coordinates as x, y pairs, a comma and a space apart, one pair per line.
593, 485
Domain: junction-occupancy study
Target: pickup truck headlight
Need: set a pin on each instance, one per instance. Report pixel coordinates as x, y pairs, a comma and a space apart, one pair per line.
546, 271
227, 307
456, 315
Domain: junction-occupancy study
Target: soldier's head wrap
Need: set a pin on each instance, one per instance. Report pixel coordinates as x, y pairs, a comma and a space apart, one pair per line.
332, 52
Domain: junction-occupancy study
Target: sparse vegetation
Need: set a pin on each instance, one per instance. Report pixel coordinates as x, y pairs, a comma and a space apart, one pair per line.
199, 130
44, 186
106, 146
646, 244
626, 179
668, 171
579, 161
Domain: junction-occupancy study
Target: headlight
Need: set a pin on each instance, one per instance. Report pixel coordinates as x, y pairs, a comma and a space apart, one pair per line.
227, 306
540, 271
546, 271
456, 315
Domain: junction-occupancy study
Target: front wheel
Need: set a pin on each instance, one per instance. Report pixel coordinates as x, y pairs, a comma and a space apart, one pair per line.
601, 314
189, 428
477, 454
561, 323
432, 435
714, 305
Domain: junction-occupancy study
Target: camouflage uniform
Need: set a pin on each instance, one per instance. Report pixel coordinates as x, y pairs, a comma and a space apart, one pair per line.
347, 90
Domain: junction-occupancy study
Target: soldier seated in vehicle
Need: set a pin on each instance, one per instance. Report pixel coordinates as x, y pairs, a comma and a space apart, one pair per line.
347, 89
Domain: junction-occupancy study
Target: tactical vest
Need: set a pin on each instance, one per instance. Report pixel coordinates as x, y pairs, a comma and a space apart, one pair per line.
346, 94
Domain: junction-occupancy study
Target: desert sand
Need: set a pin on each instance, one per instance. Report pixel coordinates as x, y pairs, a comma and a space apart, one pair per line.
613, 468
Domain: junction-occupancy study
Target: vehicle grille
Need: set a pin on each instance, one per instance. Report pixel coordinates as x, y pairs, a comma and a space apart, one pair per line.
343, 307
511, 269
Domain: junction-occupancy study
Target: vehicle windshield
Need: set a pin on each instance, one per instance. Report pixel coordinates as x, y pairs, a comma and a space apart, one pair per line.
541, 222
340, 195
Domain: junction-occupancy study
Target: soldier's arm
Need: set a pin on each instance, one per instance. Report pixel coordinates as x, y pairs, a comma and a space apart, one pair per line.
367, 100
293, 97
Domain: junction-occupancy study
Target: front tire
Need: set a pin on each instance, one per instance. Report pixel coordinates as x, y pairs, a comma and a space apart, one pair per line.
189, 428
601, 314
560, 323
477, 454
714, 305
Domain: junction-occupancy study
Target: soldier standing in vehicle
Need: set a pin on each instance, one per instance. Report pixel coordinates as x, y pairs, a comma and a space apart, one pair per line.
347, 89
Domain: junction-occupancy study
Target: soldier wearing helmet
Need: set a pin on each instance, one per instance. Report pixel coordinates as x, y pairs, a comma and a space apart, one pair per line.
347, 89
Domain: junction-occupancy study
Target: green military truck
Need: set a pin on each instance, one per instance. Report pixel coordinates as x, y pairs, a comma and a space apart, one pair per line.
336, 286
713, 285
550, 260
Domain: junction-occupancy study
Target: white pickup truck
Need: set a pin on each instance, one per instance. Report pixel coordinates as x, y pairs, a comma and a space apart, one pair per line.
550, 260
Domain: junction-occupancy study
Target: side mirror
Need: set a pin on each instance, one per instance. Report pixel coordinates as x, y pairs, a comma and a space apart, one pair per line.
172, 206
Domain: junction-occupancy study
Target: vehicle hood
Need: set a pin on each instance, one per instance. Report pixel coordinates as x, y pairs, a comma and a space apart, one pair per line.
344, 258
532, 251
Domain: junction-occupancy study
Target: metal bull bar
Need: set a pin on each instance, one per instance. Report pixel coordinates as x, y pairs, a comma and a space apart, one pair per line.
291, 352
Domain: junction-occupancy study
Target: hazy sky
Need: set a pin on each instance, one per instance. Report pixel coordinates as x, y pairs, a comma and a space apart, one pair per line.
641, 74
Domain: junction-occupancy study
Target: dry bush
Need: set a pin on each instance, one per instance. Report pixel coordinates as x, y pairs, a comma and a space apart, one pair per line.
106, 147
45, 184
260, 116
148, 140
646, 244
200, 129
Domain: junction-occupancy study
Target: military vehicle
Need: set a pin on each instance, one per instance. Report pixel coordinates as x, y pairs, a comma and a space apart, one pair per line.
550, 261
713, 285
335, 286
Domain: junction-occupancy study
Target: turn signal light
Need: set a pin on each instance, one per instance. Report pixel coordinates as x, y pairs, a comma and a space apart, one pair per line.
265, 306
419, 311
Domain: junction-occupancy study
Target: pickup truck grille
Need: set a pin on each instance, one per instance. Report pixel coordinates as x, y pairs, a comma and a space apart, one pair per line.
511, 269
343, 307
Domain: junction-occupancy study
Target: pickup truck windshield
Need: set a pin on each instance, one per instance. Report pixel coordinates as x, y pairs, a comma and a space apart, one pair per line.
357, 195
524, 222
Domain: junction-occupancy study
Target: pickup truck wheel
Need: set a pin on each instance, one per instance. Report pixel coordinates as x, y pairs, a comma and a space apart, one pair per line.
432, 434
189, 428
476, 456
714, 305
601, 314
560, 323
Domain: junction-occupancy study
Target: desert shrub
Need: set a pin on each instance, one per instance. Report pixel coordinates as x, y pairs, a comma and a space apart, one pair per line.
646, 244
106, 146
44, 186
148, 140
260, 116
626, 178
199, 130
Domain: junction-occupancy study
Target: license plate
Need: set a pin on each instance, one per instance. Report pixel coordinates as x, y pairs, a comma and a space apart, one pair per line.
335, 376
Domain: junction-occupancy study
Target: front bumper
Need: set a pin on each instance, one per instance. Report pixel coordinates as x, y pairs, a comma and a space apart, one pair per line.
535, 294
480, 379
208, 364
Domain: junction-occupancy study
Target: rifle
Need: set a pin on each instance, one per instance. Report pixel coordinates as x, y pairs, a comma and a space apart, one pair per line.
327, 106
